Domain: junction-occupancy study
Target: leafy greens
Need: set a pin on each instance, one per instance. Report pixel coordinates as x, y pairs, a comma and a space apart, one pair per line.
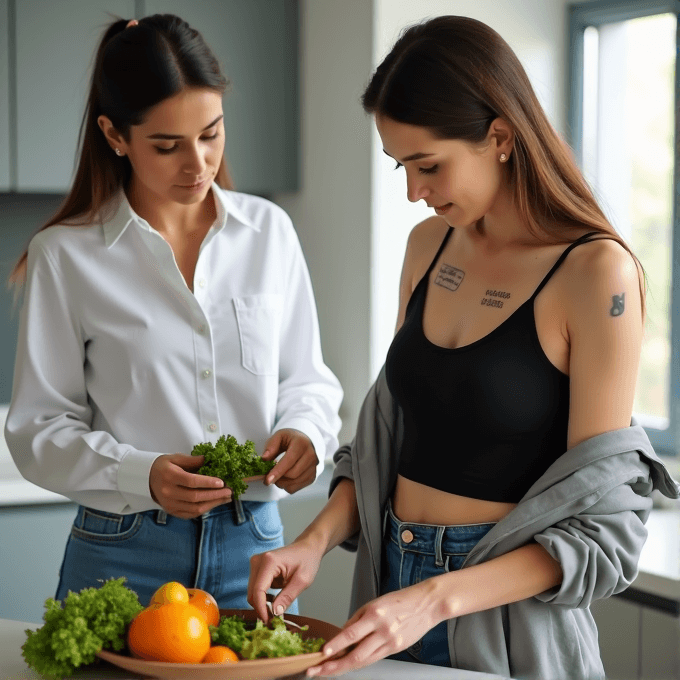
262, 641
89, 621
231, 462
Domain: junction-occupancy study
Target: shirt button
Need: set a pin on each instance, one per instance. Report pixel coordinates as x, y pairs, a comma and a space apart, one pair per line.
201, 283
212, 427
206, 373
406, 536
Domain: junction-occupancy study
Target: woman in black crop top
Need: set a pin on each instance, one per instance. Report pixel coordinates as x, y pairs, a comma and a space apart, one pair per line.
518, 337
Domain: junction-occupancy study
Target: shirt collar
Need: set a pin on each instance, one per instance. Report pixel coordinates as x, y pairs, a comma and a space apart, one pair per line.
121, 214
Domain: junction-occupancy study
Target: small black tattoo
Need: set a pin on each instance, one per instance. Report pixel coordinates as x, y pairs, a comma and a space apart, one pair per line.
618, 304
449, 277
491, 302
498, 293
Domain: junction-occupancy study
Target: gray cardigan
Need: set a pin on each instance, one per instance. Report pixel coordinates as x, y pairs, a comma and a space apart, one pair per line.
588, 511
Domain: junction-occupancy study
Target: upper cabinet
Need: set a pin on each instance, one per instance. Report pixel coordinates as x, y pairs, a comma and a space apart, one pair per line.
53, 44
255, 42
4, 100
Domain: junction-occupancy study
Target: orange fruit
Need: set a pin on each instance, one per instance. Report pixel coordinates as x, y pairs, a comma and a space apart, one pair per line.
170, 592
176, 632
206, 603
220, 654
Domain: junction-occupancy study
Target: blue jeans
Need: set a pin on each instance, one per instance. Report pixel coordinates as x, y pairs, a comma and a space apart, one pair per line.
413, 552
211, 552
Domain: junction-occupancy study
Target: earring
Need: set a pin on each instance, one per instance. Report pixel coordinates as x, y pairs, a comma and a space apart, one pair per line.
503, 158
119, 152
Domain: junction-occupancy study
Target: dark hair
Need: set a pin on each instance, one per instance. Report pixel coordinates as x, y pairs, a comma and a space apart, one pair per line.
135, 69
455, 75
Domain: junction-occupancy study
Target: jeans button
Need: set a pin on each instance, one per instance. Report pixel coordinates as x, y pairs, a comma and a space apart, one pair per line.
406, 536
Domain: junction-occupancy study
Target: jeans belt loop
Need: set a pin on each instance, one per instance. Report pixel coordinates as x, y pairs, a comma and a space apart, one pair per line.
439, 557
239, 513
161, 517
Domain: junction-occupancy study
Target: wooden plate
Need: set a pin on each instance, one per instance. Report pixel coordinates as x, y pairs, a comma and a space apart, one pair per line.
257, 669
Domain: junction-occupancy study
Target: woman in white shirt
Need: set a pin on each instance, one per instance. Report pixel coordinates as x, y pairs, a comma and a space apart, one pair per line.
162, 309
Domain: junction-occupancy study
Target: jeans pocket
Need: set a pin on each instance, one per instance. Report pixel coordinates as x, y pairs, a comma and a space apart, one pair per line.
264, 519
259, 318
102, 526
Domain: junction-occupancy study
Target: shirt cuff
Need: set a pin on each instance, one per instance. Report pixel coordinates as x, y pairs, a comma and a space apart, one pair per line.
312, 431
133, 479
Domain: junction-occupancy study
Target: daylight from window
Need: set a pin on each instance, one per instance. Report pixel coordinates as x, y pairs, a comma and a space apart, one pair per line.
628, 141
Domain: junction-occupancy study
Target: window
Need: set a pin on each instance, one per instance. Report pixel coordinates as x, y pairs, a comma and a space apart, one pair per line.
624, 98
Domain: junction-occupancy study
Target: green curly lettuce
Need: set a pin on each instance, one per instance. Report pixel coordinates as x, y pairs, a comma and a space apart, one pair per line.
262, 641
89, 621
231, 462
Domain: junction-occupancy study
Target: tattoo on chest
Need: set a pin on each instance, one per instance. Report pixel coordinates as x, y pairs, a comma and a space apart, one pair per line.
449, 277
618, 304
494, 298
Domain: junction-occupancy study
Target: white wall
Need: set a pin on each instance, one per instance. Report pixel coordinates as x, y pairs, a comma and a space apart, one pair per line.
352, 213
332, 211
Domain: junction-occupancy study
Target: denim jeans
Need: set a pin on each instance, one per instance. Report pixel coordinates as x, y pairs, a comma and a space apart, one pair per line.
211, 552
414, 552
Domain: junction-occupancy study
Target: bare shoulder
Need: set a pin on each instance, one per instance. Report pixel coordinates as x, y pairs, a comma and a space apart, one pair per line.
598, 261
598, 271
423, 243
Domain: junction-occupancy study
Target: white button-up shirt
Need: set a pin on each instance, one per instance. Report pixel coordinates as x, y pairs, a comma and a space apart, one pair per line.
118, 361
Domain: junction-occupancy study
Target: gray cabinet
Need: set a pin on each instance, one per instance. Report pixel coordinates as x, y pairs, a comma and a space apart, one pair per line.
55, 44
255, 42
32, 542
638, 641
4, 99
660, 646
50, 48
618, 625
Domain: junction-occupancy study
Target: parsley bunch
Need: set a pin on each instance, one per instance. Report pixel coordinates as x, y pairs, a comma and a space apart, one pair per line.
231, 462
262, 641
89, 621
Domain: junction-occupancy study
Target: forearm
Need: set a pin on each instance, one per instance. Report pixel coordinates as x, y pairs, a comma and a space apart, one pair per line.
337, 521
515, 576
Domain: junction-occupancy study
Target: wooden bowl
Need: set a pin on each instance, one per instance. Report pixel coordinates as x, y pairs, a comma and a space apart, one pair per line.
257, 669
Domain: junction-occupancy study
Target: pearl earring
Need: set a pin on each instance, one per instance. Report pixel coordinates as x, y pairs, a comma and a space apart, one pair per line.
119, 152
503, 158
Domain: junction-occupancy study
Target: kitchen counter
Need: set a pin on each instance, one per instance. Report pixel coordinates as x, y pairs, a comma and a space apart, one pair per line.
13, 667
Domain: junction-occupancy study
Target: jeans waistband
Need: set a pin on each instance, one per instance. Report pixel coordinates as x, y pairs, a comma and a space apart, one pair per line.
433, 539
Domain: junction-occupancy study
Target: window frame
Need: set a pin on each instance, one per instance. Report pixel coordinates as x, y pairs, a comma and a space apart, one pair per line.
582, 15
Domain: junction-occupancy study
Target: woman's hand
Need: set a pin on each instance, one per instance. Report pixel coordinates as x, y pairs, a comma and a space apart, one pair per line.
180, 492
384, 626
297, 468
291, 568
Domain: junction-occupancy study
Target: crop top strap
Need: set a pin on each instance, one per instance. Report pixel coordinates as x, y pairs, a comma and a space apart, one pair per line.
584, 239
439, 252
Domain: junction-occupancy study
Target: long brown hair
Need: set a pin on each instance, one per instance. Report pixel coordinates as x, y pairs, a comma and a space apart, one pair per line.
455, 75
135, 69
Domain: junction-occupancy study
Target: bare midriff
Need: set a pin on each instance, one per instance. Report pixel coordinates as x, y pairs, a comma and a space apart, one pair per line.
414, 502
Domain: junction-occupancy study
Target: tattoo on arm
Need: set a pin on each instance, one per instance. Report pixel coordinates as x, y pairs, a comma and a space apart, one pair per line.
449, 277
491, 298
618, 304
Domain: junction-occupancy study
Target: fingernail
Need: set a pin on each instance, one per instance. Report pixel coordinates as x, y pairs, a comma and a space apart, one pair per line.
278, 610
327, 651
219, 483
270, 479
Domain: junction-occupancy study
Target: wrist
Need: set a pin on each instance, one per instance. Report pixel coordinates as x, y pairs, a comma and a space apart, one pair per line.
315, 538
435, 593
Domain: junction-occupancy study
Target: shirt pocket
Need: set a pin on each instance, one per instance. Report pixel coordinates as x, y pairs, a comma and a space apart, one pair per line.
259, 320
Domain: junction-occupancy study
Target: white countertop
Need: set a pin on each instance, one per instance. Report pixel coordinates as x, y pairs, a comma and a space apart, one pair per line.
13, 666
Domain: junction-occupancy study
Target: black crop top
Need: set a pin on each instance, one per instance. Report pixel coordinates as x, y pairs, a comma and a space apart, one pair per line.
484, 420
